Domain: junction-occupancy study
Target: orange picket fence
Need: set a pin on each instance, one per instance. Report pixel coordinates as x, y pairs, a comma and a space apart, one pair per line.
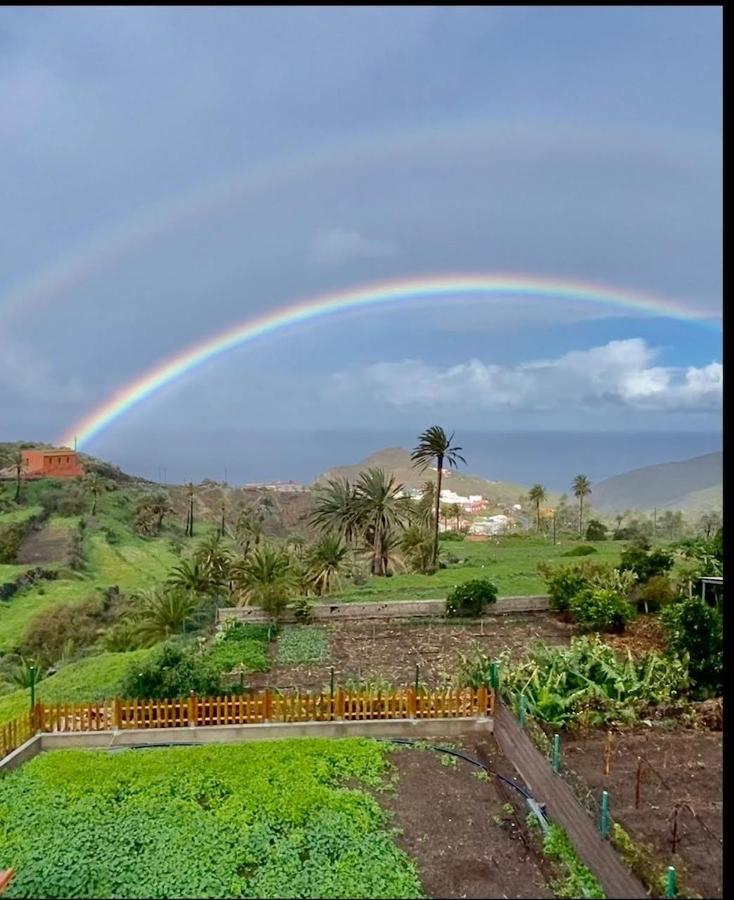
246, 709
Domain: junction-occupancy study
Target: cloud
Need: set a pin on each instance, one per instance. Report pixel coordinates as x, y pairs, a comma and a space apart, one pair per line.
618, 374
334, 246
27, 379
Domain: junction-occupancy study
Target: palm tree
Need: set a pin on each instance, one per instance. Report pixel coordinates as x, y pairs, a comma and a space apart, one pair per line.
249, 528
266, 578
381, 510
433, 444
455, 511
537, 495
426, 503
325, 562
581, 488
214, 557
193, 577
416, 545
335, 509
15, 459
164, 613
189, 531
93, 484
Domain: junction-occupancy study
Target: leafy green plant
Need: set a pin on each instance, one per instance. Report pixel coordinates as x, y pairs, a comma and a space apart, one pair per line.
600, 610
563, 583
301, 644
241, 645
646, 563
695, 633
596, 531
585, 684
174, 670
267, 820
577, 880
471, 598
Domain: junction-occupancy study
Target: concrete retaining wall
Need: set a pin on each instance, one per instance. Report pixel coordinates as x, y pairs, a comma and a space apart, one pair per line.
389, 609
21, 754
270, 731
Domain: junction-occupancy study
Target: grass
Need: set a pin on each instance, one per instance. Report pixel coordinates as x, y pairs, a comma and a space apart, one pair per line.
94, 678
131, 565
242, 645
20, 514
511, 562
251, 820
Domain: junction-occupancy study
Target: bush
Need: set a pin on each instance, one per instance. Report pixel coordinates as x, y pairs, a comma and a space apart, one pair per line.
596, 531
655, 593
10, 540
694, 631
646, 563
452, 536
563, 584
470, 599
174, 670
600, 609
581, 550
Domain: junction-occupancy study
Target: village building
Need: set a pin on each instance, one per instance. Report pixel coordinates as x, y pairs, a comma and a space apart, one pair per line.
61, 463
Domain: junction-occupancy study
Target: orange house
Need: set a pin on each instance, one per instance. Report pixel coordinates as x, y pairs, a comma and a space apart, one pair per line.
51, 464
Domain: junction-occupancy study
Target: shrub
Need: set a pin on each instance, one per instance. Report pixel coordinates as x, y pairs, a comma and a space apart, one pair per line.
471, 598
10, 540
645, 563
694, 631
453, 535
174, 670
581, 550
600, 609
655, 593
596, 531
563, 584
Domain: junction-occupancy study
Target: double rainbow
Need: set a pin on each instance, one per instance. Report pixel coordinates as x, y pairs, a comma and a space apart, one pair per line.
445, 287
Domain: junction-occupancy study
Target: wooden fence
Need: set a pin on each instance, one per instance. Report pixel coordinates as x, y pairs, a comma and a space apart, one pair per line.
246, 709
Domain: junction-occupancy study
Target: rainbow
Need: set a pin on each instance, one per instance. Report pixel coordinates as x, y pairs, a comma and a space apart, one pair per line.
113, 243
446, 287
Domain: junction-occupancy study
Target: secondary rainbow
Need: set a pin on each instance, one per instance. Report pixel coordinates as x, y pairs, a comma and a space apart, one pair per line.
444, 287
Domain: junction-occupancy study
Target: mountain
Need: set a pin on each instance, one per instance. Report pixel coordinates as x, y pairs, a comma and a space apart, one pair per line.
693, 486
397, 461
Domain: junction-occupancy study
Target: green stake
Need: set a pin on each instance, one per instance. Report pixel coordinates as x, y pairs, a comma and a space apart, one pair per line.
671, 888
417, 673
556, 757
604, 815
32, 671
494, 675
522, 713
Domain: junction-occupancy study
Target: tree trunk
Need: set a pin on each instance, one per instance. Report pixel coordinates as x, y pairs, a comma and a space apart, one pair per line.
17, 485
439, 467
94, 505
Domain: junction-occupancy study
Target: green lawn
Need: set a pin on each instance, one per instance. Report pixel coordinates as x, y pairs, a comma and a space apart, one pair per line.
20, 514
253, 820
511, 562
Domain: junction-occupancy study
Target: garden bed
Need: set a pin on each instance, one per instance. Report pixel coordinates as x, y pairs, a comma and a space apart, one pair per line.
301, 818
688, 764
386, 653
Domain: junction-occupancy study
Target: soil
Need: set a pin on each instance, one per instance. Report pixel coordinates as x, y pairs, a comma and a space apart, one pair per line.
459, 830
690, 765
643, 634
389, 651
50, 544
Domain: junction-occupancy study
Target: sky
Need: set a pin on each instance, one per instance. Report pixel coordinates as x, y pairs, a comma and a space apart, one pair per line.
168, 172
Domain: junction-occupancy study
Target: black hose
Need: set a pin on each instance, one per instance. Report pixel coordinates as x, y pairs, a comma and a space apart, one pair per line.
470, 759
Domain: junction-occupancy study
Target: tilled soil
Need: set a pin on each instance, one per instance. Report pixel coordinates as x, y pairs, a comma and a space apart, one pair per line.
459, 830
388, 651
678, 767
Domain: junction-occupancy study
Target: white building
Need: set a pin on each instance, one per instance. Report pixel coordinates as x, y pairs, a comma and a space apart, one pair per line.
491, 525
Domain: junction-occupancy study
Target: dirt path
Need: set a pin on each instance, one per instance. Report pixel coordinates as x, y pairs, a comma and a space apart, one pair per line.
455, 827
50, 544
563, 807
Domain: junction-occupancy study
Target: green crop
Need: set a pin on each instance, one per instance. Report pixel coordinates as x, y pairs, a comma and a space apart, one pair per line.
252, 820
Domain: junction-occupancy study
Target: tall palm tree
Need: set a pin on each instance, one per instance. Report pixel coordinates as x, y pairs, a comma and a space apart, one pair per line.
93, 484
15, 459
455, 511
335, 509
581, 488
381, 511
193, 577
416, 545
214, 557
434, 445
537, 495
189, 531
426, 503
